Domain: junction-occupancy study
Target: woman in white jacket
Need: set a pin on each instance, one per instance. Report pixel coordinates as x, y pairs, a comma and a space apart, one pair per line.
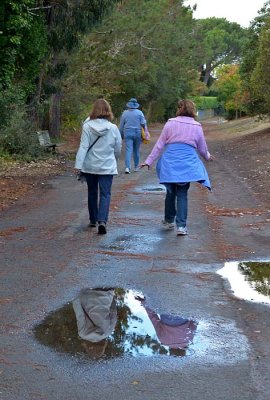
98, 163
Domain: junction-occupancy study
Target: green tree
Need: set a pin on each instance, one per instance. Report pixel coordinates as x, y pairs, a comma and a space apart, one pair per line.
221, 42
143, 49
228, 84
255, 66
66, 21
260, 77
36, 38
22, 42
23, 46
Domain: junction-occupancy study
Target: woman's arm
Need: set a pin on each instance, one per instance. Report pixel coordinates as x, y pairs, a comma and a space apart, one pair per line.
142, 120
118, 143
82, 151
158, 148
202, 146
122, 124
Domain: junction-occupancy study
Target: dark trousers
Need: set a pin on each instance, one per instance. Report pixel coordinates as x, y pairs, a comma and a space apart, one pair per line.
99, 196
176, 203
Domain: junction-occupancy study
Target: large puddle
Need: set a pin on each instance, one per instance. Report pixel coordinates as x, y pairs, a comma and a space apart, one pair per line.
249, 280
113, 322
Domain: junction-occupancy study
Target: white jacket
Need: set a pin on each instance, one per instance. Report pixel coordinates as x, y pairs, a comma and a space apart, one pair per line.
101, 158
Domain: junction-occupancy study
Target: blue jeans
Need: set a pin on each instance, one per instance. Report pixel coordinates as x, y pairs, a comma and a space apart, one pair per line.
99, 196
133, 143
176, 203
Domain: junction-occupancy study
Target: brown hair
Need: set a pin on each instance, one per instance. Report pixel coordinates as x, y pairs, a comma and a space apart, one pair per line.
101, 109
186, 108
95, 349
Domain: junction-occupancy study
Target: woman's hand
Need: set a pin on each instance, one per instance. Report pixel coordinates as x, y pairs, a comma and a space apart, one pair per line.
144, 165
77, 173
211, 158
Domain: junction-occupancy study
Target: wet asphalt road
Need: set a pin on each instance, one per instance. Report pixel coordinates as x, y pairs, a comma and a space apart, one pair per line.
48, 254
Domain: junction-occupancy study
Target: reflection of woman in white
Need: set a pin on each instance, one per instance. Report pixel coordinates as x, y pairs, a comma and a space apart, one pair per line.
179, 163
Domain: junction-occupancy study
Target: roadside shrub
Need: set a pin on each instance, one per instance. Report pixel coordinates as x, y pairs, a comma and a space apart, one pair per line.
19, 138
11, 100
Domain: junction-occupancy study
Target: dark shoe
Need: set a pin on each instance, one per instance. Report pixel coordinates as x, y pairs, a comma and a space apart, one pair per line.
92, 225
166, 224
102, 228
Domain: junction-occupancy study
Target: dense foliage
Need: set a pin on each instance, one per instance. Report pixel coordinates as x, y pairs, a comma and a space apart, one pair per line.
154, 51
231, 94
144, 49
255, 66
222, 42
35, 40
67, 52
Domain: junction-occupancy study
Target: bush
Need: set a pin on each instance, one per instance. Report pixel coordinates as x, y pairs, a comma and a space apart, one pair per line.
11, 100
19, 138
205, 102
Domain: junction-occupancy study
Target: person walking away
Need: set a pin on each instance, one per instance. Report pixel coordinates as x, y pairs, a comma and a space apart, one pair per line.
131, 123
177, 149
99, 163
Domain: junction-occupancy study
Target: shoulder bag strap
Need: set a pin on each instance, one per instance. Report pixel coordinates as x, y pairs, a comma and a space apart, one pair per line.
90, 147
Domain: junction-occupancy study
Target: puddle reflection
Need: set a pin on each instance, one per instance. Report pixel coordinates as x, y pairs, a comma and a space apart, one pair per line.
109, 323
154, 189
249, 280
134, 243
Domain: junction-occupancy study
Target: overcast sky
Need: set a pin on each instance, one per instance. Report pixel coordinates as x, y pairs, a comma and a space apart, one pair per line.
240, 11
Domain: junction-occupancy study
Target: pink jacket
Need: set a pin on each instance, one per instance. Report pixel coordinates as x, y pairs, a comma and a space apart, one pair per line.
180, 130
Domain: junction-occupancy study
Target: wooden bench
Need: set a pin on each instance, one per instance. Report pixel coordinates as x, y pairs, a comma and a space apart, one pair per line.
45, 140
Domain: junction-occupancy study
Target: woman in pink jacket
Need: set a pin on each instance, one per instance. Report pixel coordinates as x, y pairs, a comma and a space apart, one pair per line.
179, 164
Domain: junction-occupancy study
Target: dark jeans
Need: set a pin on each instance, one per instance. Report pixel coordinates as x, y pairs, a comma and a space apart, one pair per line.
99, 196
176, 203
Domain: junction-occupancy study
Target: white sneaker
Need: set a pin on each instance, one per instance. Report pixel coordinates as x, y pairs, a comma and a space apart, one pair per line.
137, 169
169, 225
127, 171
181, 231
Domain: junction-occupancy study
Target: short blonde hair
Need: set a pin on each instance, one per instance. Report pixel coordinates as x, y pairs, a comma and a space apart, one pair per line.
186, 108
101, 109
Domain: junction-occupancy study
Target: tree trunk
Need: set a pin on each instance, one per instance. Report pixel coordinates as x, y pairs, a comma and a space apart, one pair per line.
54, 113
149, 110
207, 73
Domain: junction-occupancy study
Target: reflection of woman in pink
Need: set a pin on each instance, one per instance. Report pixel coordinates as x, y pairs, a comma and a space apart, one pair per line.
174, 332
